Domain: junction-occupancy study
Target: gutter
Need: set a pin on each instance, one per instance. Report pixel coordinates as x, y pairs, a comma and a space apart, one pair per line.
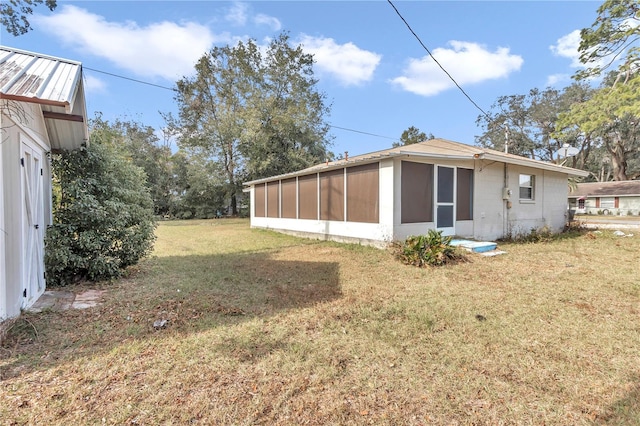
526, 162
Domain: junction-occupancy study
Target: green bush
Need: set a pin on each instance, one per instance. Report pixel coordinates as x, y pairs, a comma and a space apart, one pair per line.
102, 216
432, 249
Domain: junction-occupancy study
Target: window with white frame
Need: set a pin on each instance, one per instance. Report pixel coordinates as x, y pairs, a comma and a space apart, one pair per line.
527, 187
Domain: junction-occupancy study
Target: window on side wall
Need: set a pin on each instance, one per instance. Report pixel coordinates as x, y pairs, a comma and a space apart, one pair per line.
527, 187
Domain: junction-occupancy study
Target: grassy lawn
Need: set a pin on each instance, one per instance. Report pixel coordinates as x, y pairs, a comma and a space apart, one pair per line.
270, 329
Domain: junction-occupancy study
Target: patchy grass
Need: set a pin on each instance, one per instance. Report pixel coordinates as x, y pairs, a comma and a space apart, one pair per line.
270, 329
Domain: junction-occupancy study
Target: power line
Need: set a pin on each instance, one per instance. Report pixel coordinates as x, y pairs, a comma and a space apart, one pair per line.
436, 61
173, 90
364, 133
130, 79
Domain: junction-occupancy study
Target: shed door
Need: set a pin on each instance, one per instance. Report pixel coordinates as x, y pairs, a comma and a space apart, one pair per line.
33, 283
445, 200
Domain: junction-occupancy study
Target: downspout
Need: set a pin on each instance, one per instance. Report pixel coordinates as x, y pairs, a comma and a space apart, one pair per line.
506, 205
506, 192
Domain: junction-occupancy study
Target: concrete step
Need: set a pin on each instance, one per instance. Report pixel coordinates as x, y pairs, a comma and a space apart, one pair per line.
475, 246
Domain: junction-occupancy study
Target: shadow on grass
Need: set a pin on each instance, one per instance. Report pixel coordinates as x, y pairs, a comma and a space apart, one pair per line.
193, 293
625, 411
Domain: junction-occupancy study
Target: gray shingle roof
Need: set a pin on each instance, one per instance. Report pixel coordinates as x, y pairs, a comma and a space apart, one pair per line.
623, 188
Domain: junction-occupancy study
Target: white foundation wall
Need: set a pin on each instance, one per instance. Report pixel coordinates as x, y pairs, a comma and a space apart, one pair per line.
363, 233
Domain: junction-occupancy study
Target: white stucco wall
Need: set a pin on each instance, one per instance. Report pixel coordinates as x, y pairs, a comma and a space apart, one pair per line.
547, 209
489, 207
629, 204
492, 218
626, 205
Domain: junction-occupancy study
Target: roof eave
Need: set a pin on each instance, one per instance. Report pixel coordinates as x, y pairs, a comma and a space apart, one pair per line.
318, 168
526, 162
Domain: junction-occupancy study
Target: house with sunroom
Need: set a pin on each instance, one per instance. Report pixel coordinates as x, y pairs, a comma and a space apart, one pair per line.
43, 110
388, 195
616, 197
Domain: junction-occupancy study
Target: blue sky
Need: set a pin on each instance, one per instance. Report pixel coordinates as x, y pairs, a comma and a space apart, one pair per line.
376, 76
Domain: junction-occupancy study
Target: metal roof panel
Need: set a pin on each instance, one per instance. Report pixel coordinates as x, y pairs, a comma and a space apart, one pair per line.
54, 83
43, 78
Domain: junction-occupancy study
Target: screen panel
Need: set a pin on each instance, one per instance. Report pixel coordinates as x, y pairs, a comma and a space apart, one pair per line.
308, 197
445, 184
464, 198
289, 198
273, 199
363, 193
259, 200
416, 193
332, 195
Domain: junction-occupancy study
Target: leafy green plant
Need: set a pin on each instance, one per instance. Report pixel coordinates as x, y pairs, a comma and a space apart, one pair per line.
103, 215
432, 249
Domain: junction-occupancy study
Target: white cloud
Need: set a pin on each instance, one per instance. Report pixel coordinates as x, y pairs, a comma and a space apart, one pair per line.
237, 14
93, 84
468, 63
163, 49
270, 21
567, 47
557, 79
349, 64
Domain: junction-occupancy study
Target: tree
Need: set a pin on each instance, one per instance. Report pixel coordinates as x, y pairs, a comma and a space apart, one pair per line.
285, 129
102, 211
529, 122
613, 116
613, 35
13, 14
141, 144
211, 108
256, 114
412, 135
204, 195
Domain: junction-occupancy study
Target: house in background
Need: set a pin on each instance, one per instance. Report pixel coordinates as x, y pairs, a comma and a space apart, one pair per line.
43, 110
619, 197
388, 195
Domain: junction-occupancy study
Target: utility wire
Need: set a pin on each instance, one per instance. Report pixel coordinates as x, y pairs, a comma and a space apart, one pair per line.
364, 133
130, 79
173, 90
436, 61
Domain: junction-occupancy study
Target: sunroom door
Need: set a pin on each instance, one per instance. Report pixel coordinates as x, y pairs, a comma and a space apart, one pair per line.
445, 200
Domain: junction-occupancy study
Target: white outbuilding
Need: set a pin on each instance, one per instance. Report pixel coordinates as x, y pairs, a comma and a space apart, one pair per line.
43, 110
388, 195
